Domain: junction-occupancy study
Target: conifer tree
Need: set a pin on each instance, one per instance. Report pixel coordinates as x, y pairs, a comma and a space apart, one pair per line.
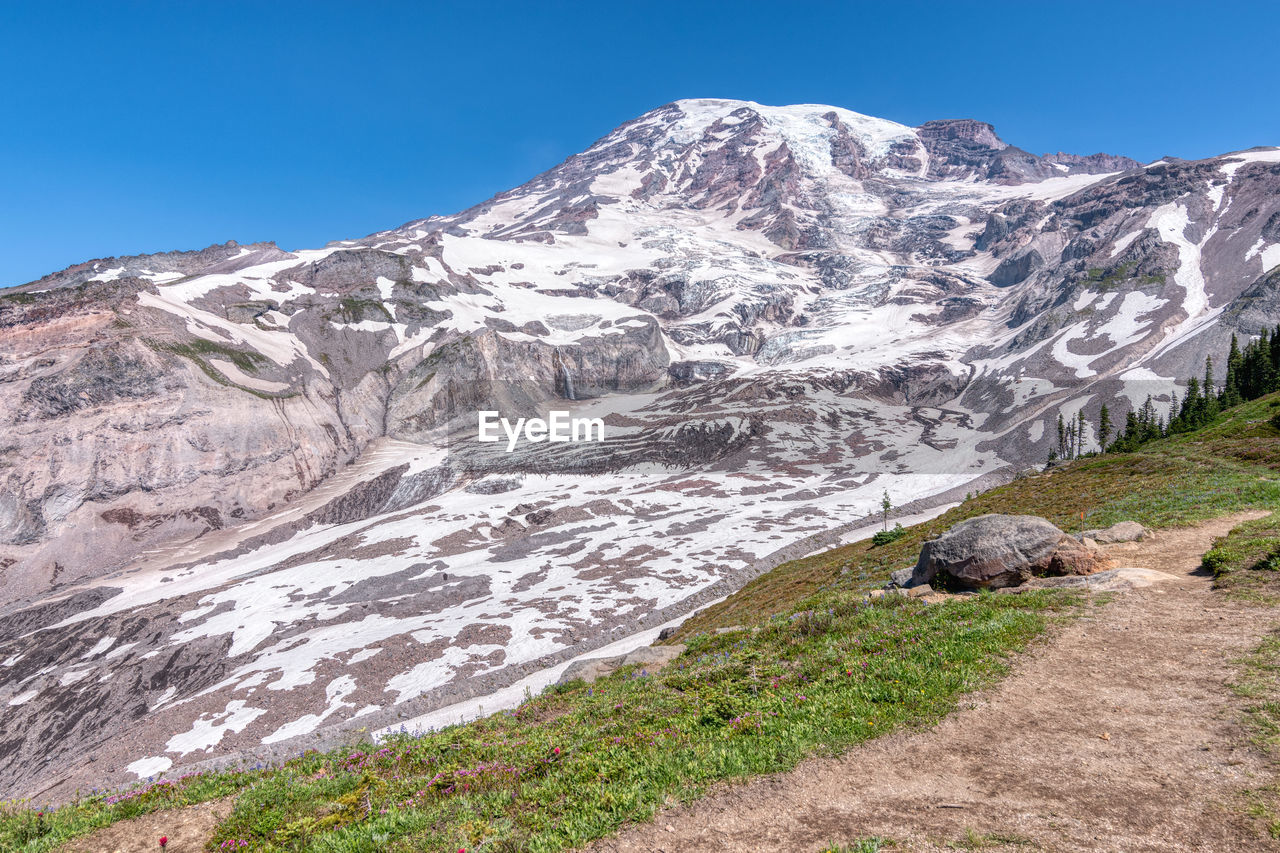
1192, 404
1131, 429
1104, 428
1231, 395
1210, 398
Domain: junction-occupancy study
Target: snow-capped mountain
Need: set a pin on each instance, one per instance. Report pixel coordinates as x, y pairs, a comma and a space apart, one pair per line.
241, 501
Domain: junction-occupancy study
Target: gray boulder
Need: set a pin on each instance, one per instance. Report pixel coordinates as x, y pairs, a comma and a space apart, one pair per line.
1125, 531
590, 669
994, 551
900, 578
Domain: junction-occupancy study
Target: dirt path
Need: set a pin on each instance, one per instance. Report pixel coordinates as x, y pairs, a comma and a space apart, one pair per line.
186, 829
1118, 734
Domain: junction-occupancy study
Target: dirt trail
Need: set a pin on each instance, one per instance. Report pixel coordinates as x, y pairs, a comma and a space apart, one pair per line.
1118, 734
186, 829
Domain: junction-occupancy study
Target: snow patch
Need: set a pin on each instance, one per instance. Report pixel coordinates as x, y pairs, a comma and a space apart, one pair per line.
145, 768
338, 690
101, 646
208, 733
239, 377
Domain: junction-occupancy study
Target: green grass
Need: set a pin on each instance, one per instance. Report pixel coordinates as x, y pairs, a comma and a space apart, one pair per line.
1246, 562
354, 310
199, 348
973, 840
1258, 683
1102, 280
24, 828
862, 845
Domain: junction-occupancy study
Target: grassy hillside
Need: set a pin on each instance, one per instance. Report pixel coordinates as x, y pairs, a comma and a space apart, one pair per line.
812, 668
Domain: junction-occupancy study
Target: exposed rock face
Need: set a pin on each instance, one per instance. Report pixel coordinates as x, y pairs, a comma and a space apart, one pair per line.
119, 438
161, 267
964, 148
993, 551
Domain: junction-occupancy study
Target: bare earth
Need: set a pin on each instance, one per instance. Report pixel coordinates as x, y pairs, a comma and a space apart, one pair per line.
1118, 734
187, 830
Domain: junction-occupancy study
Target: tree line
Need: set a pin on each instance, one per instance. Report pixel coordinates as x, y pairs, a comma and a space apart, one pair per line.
1251, 372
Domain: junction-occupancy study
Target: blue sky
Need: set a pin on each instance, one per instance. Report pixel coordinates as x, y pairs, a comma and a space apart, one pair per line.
141, 127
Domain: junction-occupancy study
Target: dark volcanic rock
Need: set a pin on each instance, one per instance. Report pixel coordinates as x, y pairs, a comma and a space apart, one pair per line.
1016, 269
101, 376
697, 371
23, 621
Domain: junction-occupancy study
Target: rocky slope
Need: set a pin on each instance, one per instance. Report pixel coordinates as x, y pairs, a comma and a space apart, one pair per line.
241, 499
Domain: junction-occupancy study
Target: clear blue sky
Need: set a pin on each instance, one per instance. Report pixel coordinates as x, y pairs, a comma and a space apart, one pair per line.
141, 127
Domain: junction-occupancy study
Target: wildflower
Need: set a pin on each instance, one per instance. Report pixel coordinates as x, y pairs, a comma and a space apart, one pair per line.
164, 840
556, 750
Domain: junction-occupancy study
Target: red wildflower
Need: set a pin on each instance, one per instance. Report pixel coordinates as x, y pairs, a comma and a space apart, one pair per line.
164, 839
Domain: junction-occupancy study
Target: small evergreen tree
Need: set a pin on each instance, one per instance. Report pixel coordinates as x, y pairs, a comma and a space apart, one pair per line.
1231, 392
1192, 405
1210, 398
1131, 429
1104, 428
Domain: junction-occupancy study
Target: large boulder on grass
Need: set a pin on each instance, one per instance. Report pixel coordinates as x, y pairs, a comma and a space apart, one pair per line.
994, 551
